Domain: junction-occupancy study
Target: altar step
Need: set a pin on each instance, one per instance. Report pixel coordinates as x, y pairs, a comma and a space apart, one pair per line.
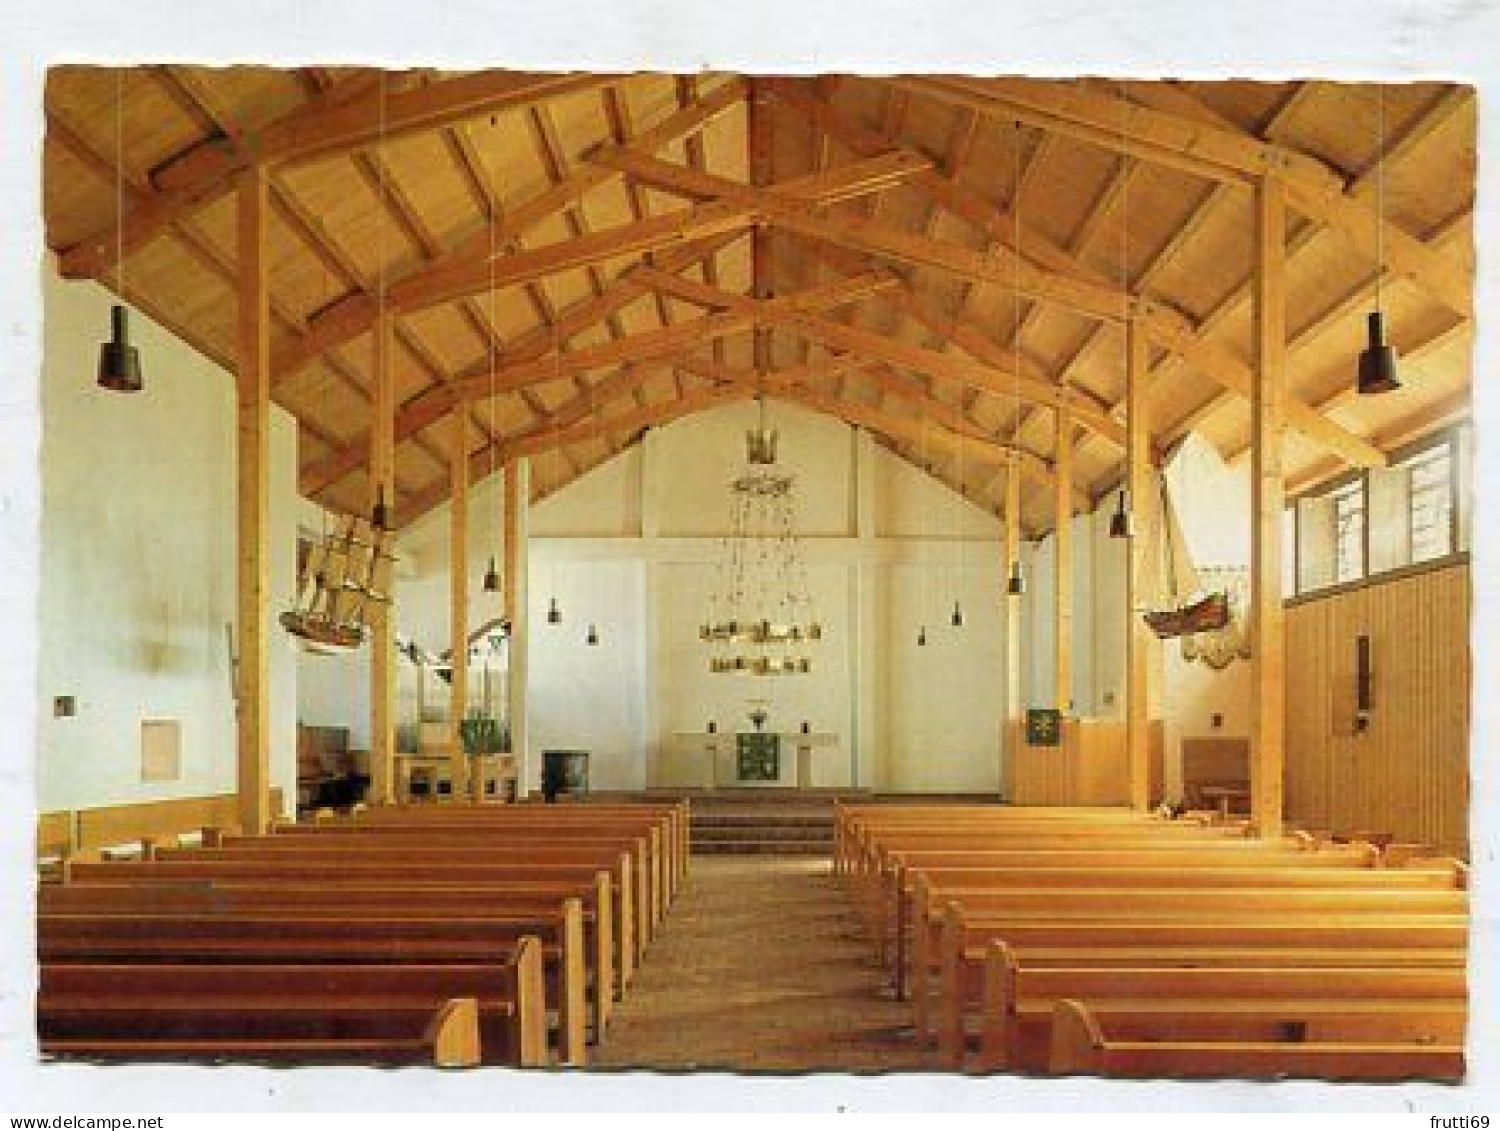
760, 822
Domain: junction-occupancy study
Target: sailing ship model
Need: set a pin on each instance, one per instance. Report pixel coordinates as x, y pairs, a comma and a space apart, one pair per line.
348, 571
1208, 618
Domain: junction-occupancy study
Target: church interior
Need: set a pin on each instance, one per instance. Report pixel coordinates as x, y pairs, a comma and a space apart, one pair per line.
730, 571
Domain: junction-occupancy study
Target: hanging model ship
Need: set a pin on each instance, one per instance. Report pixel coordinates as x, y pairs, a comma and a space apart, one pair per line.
1183, 607
347, 572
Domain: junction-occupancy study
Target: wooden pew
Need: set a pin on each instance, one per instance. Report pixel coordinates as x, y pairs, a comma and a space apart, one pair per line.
1080, 1046
999, 908
666, 830
291, 914
609, 904
1252, 1003
1418, 943
892, 912
297, 1014
418, 844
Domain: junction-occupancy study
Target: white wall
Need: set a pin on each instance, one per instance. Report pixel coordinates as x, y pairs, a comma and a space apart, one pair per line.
138, 568
633, 545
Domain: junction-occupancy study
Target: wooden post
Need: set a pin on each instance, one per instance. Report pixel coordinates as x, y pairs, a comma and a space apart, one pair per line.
383, 616
1063, 609
1268, 497
1137, 634
253, 502
1013, 602
517, 502
458, 593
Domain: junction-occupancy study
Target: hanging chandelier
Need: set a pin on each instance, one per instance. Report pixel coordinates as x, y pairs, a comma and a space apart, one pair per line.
761, 618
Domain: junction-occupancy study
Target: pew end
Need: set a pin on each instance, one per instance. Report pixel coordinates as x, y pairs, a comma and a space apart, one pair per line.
1077, 1047
453, 1034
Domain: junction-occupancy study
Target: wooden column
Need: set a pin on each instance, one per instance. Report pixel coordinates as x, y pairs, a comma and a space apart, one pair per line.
253, 508
1138, 636
458, 594
1062, 620
383, 616
1268, 497
517, 604
1011, 554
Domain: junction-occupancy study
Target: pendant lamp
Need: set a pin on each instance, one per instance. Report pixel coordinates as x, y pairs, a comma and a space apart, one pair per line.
492, 577
592, 639
922, 636
1119, 522
1016, 585
957, 619
554, 614
119, 361
1377, 361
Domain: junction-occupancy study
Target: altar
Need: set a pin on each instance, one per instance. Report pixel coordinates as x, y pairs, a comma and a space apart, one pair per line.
747, 759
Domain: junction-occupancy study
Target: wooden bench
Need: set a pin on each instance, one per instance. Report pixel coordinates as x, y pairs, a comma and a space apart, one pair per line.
451, 1015
609, 903
1000, 908
419, 843
283, 914
890, 909
1428, 942
1251, 1003
1080, 1046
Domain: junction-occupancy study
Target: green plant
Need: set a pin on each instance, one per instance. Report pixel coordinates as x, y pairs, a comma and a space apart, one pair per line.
482, 734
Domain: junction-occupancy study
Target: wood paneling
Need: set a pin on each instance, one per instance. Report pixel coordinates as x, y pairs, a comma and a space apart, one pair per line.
1407, 772
1089, 767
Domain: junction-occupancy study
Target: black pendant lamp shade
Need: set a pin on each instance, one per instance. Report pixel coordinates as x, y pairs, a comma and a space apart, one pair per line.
957, 619
1377, 361
492, 577
1119, 522
119, 361
554, 614
922, 637
1016, 585
592, 639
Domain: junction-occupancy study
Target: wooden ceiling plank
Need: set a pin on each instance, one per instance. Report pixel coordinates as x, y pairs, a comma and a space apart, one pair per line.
435, 401
1235, 157
1169, 328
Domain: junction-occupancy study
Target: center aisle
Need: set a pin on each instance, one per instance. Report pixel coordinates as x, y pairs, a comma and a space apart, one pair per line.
760, 966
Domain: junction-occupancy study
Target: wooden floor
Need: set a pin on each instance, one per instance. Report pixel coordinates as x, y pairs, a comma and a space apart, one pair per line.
760, 967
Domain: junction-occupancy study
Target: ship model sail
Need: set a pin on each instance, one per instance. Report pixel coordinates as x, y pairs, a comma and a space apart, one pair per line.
348, 571
1182, 607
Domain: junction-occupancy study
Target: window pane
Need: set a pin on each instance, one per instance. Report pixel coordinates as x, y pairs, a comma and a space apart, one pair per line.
1431, 504
1349, 532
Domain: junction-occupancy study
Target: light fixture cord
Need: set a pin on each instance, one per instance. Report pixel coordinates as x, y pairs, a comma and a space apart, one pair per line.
120, 181
1380, 198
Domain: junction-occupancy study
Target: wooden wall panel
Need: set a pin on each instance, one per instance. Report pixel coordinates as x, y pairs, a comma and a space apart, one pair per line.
1407, 772
1089, 767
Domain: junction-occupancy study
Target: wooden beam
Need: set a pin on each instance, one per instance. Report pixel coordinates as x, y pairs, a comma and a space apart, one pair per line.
464, 269
517, 581
253, 508
458, 602
1062, 612
1268, 499
1138, 552
1237, 158
675, 338
1170, 328
430, 405
1011, 557
331, 123
383, 615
